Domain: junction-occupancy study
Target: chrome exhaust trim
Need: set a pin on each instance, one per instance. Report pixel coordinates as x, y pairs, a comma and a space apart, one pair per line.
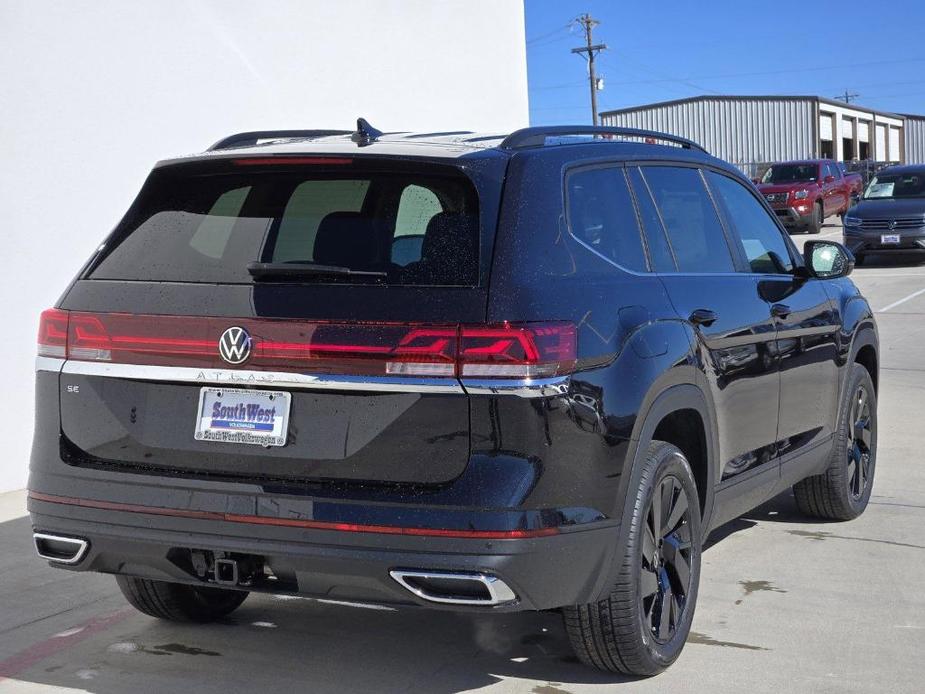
43, 550
498, 592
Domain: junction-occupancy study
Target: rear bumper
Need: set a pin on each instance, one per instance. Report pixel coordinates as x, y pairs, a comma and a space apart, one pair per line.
544, 572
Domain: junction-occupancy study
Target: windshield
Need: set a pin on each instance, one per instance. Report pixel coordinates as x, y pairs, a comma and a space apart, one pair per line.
418, 227
791, 173
889, 186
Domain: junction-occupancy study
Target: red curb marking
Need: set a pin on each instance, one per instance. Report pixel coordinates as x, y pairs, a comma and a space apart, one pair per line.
43, 649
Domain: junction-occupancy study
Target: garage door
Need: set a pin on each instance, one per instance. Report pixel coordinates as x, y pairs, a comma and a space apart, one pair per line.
881, 153
894, 144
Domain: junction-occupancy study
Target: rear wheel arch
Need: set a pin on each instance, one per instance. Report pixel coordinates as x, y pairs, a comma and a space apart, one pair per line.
672, 413
866, 355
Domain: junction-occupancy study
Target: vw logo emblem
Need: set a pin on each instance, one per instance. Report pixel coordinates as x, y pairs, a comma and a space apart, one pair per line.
892, 224
234, 346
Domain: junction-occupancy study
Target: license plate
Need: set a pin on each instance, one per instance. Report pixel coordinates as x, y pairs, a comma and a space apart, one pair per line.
234, 415
889, 238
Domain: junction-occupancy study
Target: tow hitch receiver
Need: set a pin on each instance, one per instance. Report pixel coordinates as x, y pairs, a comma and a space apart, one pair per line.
226, 572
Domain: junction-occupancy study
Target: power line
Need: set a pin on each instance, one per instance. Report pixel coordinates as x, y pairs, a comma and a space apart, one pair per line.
590, 51
541, 37
783, 72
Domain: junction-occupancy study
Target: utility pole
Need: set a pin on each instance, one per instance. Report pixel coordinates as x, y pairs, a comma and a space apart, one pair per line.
590, 51
847, 97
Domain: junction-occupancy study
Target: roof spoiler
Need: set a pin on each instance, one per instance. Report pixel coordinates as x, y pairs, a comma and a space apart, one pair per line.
536, 137
247, 139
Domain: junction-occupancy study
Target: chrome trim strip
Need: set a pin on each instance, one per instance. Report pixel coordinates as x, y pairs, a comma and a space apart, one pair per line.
270, 379
522, 388
499, 591
48, 364
82, 546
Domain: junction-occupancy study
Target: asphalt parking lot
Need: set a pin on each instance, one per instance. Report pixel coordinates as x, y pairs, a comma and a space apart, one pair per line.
785, 605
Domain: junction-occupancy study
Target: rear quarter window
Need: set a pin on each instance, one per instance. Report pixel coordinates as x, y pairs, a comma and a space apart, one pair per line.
602, 216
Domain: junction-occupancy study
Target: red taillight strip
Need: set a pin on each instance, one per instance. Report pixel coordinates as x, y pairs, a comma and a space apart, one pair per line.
270, 161
295, 522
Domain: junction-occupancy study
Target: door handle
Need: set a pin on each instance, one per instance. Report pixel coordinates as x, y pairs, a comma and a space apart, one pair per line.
780, 311
703, 316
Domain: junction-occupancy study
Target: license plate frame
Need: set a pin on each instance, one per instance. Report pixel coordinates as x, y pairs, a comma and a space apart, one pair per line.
892, 239
245, 417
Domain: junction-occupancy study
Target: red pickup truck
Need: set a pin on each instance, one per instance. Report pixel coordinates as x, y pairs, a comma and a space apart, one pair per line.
804, 193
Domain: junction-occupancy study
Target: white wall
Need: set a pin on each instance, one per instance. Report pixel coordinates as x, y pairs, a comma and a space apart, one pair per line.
93, 93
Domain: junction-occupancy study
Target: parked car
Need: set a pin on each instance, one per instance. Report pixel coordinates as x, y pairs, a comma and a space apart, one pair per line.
865, 168
248, 389
891, 215
804, 193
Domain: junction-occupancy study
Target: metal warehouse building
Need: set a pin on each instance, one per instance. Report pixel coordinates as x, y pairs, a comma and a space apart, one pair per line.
915, 139
747, 130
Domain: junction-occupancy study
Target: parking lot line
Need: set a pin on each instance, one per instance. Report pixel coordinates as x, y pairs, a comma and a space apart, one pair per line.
901, 301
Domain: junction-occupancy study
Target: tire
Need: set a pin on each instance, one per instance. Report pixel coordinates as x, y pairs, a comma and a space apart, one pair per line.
815, 224
858, 259
616, 634
178, 602
843, 490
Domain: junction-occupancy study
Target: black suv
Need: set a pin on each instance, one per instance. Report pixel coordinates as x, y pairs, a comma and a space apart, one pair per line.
521, 372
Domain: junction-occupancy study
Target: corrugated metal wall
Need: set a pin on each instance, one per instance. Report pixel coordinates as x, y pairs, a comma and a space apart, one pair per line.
915, 140
740, 131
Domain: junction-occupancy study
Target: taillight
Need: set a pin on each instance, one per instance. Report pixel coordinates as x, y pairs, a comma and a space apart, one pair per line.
530, 350
52, 341
517, 351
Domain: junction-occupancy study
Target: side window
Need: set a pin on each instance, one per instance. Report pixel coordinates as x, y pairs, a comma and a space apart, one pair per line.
659, 249
416, 207
602, 216
690, 219
309, 203
764, 245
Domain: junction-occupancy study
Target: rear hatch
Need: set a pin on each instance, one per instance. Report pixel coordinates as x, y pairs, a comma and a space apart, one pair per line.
281, 319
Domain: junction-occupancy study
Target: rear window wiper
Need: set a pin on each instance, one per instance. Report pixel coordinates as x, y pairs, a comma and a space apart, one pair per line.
261, 271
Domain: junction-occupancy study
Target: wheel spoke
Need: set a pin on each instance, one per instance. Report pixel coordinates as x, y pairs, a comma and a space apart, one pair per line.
861, 479
679, 566
852, 465
655, 513
664, 623
648, 545
668, 486
648, 584
862, 431
677, 512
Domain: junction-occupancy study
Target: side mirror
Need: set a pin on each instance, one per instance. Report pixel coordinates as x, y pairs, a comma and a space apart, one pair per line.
827, 260
829, 179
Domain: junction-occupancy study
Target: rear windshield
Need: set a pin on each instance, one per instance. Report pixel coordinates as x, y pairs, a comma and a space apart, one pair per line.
414, 228
791, 173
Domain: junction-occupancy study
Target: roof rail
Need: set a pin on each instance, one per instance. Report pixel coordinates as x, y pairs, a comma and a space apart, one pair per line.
251, 138
536, 137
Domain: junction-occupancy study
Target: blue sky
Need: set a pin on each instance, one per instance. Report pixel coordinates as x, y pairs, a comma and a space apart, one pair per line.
672, 49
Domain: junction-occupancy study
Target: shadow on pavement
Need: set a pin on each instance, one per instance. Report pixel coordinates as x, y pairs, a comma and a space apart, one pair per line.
284, 644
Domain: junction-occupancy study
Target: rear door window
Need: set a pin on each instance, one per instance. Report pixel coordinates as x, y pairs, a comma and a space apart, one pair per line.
602, 216
690, 219
419, 227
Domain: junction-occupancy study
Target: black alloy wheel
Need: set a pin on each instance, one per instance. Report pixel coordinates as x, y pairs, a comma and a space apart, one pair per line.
640, 627
843, 490
859, 443
665, 573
